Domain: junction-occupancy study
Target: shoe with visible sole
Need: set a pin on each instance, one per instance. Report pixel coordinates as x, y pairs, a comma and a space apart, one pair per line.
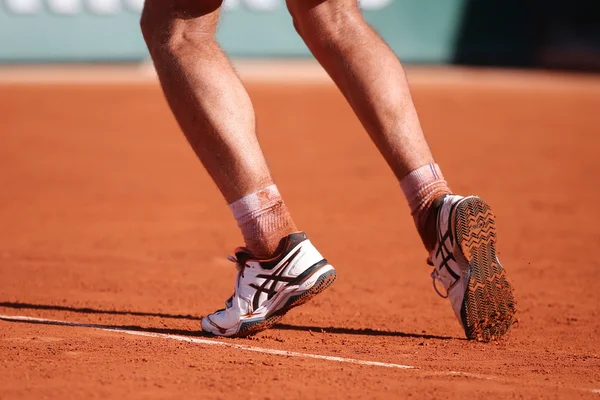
267, 289
466, 265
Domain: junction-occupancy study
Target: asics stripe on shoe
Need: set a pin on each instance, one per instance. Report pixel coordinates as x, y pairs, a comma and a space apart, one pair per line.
266, 289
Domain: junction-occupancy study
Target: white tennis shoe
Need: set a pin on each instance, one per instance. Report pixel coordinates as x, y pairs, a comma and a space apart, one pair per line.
266, 289
467, 267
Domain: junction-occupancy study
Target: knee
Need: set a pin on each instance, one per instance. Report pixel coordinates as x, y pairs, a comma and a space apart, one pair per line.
169, 25
323, 20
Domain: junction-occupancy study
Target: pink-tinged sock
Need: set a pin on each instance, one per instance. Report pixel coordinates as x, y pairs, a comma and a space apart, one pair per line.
421, 187
264, 220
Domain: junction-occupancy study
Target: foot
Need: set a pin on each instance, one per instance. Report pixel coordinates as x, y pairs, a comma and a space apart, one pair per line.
467, 267
266, 289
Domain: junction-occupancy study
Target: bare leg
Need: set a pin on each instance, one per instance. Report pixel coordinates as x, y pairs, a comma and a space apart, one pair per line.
373, 81
217, 117
205, 94
369, 75
214, 111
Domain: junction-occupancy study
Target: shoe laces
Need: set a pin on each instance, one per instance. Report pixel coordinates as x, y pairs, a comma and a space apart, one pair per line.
238, 265
435, 278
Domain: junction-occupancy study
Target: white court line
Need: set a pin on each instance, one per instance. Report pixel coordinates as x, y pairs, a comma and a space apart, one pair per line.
208, 342
285, 353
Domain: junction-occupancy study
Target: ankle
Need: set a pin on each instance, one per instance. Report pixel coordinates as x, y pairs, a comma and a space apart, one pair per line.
264, 232
426, 223
424, 188
264, 221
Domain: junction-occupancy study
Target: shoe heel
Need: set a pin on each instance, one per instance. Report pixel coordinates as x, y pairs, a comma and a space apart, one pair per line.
324, 280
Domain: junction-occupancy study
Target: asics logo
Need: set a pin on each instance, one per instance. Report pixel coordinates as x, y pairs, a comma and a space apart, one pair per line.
478, 225
272, 280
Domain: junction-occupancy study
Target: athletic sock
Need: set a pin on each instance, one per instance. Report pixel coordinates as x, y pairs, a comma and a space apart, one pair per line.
264, 220
421, 187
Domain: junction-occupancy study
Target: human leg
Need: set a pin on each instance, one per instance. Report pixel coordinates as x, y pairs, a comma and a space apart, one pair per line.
372, 79
459, 233
216, 115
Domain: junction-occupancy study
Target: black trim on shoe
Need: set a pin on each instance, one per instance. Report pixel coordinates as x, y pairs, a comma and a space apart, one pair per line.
273, 279
442, 250
304, 276
287, 243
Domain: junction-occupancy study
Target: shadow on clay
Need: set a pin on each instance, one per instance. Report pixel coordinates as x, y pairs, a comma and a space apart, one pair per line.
365, 332
196, 333
85, 310
46, 307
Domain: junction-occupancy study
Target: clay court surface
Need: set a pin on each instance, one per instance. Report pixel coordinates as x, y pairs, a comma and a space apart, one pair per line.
108, 221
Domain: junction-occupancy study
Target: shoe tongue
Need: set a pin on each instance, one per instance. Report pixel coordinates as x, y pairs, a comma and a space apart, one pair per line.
242, 255
430, 260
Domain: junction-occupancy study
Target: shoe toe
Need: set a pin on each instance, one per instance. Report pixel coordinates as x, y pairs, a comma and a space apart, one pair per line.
219, 323
207, 326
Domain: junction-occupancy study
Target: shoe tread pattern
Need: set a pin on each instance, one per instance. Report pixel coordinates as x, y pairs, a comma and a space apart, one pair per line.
488, 308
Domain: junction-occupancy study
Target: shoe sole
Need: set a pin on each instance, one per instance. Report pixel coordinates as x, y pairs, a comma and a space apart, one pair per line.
253, 327
488, 308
